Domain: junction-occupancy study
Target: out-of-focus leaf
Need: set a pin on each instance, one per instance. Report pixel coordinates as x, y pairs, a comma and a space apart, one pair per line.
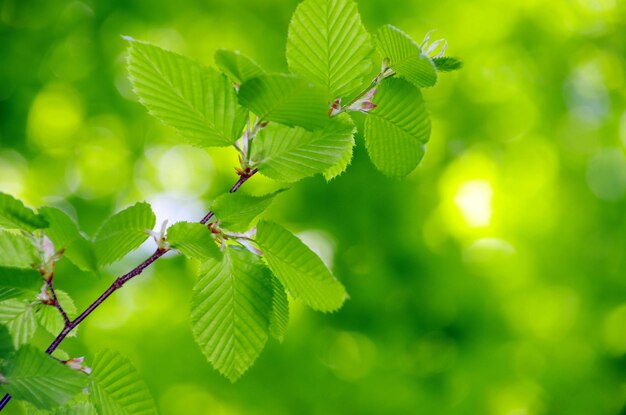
447, 64
397, 129
230, 311
291, 154
286, 99
405, 57
299, 269
117, 388
17, 251
33, 376
199, 102
193, 240
14, 215
18, 316
6, 342
64, 233
124, 232
328, 45
237, 211
238, 67
18, 282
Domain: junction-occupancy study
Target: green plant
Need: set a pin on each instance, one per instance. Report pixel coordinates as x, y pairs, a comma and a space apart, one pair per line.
284, 126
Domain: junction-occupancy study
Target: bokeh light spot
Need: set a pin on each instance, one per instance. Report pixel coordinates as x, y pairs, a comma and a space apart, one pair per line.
473, 198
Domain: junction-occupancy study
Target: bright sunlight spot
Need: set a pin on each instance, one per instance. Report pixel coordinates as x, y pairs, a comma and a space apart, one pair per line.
473, 198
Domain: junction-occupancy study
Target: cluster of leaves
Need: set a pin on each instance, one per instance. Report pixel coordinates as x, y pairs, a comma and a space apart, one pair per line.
284, 126
30, 245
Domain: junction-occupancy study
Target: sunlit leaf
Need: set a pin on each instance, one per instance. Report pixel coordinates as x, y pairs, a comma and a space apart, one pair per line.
65, 235
238, 67
33, 376
279, 320
199, 102
291, 154
286, 99
405, 57
230, 311
397, 129
14, 215
237, 211
124, 232
299, 269
328, 45
117, 388
193, 240
17, 251
18, 316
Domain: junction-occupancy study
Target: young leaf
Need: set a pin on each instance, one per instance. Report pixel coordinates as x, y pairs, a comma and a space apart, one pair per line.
199, 102
6, 342
237, 211
286, 99
238, 67
193, 240
117, 388
342, 164
33, 376
64, 233
299, 269
79, 408
124, 232
405, 57
14, 215
231, 304
397, 129
279, 319
291, 154
328, 45
18, 282
447, 64
50, 318
16, 251
18, 316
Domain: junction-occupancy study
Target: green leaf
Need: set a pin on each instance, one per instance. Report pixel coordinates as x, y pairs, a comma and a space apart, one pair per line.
286, 99
6, 342
238, 67
14, 215
329, 46
18, 316
291, 154
342, 164
237, 211
17, 251
397, 129
230, 310
64, 233
405, 57
279, 319
50, 318
18, 282
72, 408
299, 269
447, 64
117, 388
199, 102
193, 240
33, 376
124, 232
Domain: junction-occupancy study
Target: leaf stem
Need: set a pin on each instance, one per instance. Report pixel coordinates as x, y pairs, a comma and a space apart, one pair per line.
116, 285
56, 302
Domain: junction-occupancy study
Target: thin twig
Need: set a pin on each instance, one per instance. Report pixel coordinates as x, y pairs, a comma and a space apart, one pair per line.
116, 285
56, 302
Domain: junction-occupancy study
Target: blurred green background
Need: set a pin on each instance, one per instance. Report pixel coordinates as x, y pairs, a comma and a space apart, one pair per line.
490, 281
